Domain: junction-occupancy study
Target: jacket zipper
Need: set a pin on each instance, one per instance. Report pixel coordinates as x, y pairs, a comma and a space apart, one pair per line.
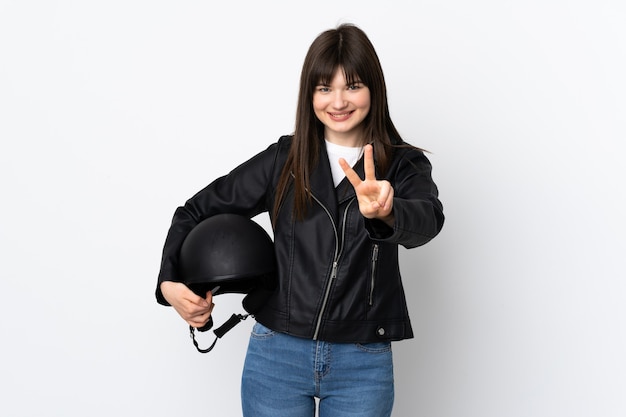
373, 273
338, 250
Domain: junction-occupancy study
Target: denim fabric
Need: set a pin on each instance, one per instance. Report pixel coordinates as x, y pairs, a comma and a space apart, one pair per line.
283, 375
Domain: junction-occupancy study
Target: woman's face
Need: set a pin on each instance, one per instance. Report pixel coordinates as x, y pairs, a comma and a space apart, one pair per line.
342, 109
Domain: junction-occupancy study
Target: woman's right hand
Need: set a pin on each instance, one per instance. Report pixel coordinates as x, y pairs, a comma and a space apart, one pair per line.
194, 309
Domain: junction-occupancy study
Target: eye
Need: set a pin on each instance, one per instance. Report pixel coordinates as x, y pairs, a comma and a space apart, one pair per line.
323, 89
355, 86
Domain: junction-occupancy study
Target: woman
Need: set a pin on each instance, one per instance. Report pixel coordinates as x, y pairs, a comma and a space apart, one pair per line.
342, 192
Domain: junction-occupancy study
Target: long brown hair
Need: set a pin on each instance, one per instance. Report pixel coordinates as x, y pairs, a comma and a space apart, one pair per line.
346, 47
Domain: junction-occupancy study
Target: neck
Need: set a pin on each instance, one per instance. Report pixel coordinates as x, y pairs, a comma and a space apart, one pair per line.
350, 139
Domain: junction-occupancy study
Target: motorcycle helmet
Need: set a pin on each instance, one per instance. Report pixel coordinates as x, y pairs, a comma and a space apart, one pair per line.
228, 253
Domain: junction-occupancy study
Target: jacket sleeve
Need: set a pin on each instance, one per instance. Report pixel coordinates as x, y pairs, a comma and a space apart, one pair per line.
417, 210
246, 190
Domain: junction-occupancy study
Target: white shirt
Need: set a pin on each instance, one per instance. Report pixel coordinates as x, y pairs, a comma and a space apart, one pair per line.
350, 154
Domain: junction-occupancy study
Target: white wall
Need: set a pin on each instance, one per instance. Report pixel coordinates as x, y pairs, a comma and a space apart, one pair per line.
113, 113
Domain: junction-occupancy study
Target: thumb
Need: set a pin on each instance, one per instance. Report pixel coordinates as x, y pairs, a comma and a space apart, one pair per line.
208, 299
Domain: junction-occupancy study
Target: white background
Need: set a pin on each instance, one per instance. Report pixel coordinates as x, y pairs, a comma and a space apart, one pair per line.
114, 113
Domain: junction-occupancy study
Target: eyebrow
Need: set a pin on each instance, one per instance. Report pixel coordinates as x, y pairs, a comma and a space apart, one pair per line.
325, 84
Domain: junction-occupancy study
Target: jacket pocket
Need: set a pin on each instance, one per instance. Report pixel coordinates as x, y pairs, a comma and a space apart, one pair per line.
374, 264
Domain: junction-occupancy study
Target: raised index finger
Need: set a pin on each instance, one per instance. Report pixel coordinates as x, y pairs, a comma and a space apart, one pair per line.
351, 174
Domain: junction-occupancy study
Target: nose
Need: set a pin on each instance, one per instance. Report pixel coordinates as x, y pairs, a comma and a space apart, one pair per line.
339, 101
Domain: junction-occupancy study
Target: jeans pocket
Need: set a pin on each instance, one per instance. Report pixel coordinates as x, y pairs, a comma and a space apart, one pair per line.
376, 347
261, 332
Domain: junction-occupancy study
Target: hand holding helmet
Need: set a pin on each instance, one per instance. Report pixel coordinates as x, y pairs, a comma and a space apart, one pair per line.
194, 309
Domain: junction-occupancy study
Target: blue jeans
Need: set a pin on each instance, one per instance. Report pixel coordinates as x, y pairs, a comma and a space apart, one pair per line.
283, 375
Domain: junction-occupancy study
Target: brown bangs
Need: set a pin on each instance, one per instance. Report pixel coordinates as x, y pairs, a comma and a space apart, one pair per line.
324, 71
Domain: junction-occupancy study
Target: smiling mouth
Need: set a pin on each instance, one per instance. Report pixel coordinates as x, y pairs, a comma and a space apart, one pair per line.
340, 115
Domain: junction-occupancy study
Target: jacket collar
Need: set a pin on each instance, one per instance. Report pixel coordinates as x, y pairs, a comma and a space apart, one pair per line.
322, 185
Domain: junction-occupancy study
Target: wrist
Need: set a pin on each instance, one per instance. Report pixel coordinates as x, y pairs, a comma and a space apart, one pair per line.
389, 219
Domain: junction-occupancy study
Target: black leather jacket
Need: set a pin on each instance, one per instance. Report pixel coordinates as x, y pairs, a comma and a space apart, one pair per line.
339, 278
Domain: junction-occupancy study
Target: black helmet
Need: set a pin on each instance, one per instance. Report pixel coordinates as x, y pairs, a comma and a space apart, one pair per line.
228, 253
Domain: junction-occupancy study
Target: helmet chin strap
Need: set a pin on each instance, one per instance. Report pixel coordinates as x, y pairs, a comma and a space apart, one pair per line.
234, 320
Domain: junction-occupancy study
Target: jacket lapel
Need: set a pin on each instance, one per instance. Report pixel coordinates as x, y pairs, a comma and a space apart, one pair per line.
322, 184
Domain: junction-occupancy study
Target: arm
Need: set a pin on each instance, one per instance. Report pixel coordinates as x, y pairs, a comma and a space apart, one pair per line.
409, 212
245, 190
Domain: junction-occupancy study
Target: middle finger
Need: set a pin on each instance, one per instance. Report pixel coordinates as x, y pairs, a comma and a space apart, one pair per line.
368, 162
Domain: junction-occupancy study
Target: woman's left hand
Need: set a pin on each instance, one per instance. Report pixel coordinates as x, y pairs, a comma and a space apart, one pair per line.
375, 197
